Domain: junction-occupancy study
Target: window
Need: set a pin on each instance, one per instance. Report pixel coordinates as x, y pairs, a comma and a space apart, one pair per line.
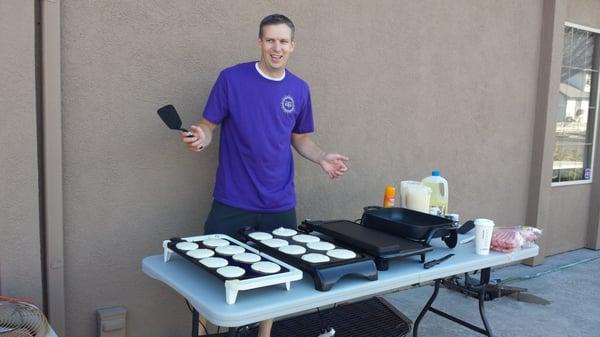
576, 115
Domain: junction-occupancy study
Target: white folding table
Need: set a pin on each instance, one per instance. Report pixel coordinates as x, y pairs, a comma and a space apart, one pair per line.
206, 293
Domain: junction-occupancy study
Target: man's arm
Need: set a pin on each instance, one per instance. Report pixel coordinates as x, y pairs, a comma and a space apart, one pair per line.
332, 163
201, 135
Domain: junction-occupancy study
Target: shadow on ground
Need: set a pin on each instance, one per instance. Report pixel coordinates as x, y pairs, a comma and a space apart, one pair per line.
573, 292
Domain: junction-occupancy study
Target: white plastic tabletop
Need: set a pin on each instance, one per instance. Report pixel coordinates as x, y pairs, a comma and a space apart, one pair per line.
207, 293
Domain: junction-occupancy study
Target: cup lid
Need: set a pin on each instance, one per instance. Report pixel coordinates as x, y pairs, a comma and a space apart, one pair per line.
484, 222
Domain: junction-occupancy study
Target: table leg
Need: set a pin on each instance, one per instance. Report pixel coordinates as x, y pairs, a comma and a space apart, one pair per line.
485, 278
426, 308
195, 319
482, 310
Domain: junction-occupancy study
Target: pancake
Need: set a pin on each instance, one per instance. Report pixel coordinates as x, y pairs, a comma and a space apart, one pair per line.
303, 238
320, 245
229, 250
215, 243
193, 239
275, 243
231, 271
246, 257
342, 254
260, 236
315, 258
266, 267
293, 250
186, 246
200, 253
282, 231
214, 262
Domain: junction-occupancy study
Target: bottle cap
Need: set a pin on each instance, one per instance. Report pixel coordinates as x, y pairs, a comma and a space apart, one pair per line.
390, 191
435, 211
453, 216
435, 173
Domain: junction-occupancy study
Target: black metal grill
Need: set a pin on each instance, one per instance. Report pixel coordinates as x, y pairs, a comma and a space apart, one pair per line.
370, 318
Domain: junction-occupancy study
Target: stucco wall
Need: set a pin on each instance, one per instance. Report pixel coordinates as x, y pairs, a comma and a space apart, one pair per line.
401, 87
569, 209
569, 214
584, 12
20, 266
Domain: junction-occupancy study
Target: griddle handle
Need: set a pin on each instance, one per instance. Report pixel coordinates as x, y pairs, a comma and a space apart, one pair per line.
367, 210
304, 226
312, 222
432, 263
432, 233
466, 227
243, 231
451, 239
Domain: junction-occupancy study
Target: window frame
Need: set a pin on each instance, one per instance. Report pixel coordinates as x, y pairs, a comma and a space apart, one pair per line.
596, 115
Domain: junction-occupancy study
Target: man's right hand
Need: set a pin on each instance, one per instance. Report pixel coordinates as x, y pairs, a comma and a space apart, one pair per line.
196, 139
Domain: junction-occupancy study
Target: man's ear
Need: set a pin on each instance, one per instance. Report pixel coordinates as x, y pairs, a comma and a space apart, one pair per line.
292, 45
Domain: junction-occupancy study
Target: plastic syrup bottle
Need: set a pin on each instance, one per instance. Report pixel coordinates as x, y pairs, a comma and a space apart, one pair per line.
389, 198
439, 191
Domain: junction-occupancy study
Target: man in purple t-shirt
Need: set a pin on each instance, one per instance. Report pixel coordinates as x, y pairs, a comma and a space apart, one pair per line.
264, 110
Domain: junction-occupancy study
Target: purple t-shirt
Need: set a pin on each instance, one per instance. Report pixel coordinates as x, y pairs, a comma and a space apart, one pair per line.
257, 117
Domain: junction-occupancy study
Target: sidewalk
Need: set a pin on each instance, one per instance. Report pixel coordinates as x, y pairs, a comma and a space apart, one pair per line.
574, 295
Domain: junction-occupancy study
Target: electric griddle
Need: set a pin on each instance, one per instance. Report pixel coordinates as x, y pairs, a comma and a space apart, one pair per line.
380, 245
250, 280
324, 274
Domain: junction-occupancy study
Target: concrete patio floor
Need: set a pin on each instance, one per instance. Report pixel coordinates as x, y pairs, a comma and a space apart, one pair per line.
573, 292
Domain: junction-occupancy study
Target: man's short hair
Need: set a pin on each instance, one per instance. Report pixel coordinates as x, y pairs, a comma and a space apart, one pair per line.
275, 19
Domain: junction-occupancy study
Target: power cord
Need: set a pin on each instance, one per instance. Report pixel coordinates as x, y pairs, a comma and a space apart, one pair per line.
192, 311
325, 332
536, 275
320, 320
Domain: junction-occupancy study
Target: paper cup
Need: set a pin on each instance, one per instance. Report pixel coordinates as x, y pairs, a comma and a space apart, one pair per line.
483, 236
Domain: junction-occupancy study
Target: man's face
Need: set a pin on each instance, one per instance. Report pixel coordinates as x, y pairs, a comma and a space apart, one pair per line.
275, 46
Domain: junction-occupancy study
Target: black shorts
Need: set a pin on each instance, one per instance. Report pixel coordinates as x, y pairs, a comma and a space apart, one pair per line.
224, 219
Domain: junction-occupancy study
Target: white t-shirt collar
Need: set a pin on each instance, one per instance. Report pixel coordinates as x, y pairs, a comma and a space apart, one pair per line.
267, 76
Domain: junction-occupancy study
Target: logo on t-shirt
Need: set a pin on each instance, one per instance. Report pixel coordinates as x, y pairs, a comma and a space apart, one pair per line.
287, 104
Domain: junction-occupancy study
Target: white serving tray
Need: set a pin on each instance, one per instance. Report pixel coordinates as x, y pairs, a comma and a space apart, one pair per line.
233, 286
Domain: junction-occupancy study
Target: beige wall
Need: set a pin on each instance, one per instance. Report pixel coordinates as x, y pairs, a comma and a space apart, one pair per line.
584, 12
569, 221
401, 87
20, 261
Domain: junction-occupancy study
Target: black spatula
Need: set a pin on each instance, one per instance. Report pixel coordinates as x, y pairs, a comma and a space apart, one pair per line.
170, 116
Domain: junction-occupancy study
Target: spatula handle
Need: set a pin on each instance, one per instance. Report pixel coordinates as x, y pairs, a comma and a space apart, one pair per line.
189, 134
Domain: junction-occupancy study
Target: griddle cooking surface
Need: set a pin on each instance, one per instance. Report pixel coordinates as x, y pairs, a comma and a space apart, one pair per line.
381, 245
368, 239
250, 280
248, 271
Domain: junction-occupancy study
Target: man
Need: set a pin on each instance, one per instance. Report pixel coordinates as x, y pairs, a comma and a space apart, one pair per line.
263, 110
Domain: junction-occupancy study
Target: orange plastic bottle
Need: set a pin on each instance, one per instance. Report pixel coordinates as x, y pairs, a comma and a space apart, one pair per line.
389, 198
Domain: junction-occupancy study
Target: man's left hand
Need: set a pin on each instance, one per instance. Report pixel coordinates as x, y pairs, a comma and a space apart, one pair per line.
334, 165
